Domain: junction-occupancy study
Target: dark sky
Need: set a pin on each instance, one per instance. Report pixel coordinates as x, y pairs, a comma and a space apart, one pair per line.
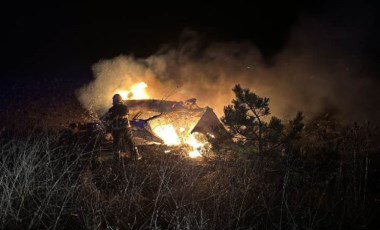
44, 40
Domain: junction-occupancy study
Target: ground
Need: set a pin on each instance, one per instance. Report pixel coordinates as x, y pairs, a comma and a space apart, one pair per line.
47, 182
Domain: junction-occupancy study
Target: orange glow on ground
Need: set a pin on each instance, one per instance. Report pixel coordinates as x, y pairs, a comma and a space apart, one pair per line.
195, 145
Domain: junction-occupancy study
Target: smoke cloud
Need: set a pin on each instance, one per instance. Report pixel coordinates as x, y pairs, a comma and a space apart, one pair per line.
314, 73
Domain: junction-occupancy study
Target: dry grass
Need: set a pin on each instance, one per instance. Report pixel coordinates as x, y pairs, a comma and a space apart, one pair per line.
47, 185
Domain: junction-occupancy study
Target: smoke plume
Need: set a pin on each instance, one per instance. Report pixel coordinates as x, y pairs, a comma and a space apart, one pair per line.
313, 74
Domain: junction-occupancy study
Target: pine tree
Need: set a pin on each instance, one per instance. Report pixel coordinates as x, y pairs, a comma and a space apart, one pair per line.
246, 117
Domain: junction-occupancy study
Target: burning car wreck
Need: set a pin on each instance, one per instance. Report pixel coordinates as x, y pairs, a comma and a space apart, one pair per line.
167, 123
173, 123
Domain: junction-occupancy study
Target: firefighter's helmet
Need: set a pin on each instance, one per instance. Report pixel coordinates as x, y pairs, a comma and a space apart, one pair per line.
117, 99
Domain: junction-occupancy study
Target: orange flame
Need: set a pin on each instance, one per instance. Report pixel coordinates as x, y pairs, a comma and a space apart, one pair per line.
168, 134
195, 146
170, 137
137, 91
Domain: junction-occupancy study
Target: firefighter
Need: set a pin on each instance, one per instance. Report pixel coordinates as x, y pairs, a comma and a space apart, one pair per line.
117, 118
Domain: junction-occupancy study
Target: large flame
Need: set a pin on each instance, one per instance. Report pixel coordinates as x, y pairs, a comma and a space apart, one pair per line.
170, 137
195, 146
195, 153
137, 91
168, 134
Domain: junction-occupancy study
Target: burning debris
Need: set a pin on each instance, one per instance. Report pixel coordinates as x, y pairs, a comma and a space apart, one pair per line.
172, 123
181, 125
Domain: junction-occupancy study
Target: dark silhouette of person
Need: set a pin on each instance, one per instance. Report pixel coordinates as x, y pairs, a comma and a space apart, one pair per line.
117, 116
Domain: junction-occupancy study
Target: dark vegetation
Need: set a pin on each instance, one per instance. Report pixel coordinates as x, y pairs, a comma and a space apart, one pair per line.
297, 174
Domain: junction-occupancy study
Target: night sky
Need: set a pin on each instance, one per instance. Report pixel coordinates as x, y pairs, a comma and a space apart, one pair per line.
47, 39
44, 41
